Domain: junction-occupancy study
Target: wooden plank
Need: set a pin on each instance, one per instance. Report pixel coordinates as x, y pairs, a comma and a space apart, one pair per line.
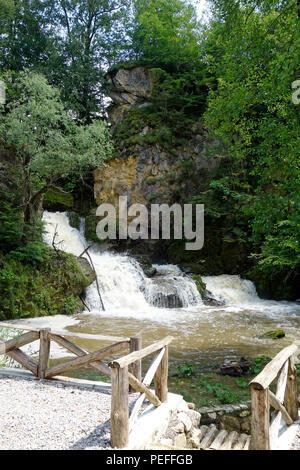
218, 441
161, 378
147, 381
18, 326
87, 359
18, 342
260, 419
230, 441
23, 359
291, 398
280, 392
275, 403
135, 356
203, 430
208, 438
119, 408
74, 334
99, 366
282, 381
247, 443
140, 387
136, 367
270, 372
44, 352
241, 442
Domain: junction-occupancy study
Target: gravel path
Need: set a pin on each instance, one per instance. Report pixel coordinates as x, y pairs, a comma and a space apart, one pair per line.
40, 415
296, 443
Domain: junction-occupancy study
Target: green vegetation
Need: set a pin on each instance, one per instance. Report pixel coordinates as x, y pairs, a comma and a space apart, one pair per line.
201, 286
49, 144
52, 287
228, 80
211, 389
178, 101
253, 50
274, 334
186, 370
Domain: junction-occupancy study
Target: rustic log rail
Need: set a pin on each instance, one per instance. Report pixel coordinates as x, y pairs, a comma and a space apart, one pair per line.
125, 373
121, 378
264, 434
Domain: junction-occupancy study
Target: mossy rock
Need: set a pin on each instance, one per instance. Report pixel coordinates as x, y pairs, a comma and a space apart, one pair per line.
58, 200
192, 268
49, 288
274, 334
146, 265
201, 286
91, 222
74, 219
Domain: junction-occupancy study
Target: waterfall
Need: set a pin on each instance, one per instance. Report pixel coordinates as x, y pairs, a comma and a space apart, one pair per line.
171, 289
232, 289
122, 281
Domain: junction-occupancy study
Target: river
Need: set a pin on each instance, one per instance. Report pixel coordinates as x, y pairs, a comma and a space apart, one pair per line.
203, 335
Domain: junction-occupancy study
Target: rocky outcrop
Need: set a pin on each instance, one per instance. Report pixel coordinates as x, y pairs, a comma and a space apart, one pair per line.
128, 87
145, 169
49, 288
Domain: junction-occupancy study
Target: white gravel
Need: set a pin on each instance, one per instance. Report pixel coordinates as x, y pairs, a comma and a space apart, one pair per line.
37, 414
296, 443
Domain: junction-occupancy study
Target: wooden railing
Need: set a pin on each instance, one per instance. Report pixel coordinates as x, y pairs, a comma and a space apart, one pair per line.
264, 431
125, 372
121, 375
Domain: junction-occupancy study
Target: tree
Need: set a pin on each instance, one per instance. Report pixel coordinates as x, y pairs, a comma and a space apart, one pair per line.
25, 33
48, 142
166, 33
71, 42
92, 37
253, 48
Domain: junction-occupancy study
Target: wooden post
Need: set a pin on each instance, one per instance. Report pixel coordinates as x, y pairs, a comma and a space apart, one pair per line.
291, 398
135, 368
119, 418
44, 352
161, 378
260, 439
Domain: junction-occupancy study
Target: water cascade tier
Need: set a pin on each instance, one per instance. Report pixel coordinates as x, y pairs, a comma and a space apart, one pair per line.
122, 280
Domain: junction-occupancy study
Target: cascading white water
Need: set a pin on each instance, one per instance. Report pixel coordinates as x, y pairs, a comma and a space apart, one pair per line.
170, 288
204, 334
232, 289
122, 280
68, 239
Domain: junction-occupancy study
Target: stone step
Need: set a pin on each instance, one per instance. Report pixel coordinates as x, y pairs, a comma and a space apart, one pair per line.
214, 439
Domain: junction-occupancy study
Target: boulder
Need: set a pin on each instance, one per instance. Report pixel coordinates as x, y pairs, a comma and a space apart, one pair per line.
186, 420
86, 269
235, 368
146, 265
274, 334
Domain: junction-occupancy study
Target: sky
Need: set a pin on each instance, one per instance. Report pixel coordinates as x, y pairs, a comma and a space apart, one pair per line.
200, 8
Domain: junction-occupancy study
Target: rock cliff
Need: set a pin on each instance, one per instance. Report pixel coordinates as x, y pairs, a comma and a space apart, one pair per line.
150, 167
148, 172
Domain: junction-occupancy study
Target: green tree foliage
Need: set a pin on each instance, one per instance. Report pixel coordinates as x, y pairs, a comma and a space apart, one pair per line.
71, 42
253, 48
166, 34
49, 143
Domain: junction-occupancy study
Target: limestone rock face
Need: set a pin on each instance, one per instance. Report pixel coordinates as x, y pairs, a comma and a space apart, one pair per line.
129, 87
148, 172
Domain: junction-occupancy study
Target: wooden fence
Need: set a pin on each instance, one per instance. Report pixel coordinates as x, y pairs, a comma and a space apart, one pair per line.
125, 372
264, 431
